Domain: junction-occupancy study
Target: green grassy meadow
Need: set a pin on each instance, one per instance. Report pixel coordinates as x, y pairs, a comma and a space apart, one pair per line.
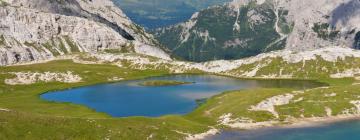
29, 117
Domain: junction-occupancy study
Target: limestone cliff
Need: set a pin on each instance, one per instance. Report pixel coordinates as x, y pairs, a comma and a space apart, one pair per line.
33, 30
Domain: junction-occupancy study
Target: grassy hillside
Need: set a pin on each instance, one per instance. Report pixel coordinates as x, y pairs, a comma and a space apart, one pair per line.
308, 69
23, 115
32, 118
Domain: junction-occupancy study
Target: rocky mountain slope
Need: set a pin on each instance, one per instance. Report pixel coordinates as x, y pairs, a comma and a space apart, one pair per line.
33, 30
246, 28
323, 63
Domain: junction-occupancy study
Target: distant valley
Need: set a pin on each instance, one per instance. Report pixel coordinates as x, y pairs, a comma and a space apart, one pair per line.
160, 13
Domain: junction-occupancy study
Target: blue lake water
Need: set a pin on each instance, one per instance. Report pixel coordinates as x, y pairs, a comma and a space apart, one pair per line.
348, 130
127, 98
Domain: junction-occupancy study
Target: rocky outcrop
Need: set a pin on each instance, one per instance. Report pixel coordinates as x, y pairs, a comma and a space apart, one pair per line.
243, 123
346, 73
27, 78
322, 23
329, 54
204, 135
270, 103
42, 29
332, 62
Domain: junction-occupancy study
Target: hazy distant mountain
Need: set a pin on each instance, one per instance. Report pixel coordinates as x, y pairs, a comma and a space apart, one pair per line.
160, 13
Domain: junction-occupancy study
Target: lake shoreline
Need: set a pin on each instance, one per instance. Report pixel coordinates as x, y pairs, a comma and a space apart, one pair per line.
186, 95
319, 121
294, 124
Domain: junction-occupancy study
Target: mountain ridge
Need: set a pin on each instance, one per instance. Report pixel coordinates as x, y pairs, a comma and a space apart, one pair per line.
297, 26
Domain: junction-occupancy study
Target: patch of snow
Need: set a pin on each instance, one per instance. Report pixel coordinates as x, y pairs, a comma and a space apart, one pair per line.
236, 24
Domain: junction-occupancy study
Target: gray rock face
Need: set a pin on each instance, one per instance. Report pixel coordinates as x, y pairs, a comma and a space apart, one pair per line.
322, 23
33, 30
357, 40
346, 12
